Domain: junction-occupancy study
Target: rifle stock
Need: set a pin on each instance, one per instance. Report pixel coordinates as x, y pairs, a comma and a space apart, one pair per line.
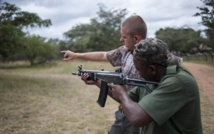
112, 77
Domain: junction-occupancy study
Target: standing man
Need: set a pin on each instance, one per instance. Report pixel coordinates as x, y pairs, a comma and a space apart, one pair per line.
174, 105
133, 29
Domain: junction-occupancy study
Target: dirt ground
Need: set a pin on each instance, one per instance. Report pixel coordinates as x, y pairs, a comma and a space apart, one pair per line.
204, 75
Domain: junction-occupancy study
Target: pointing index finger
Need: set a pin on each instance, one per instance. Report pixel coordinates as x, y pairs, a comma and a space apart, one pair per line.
63, 51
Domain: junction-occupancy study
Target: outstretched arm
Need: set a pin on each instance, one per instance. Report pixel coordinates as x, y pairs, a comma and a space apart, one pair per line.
92, 56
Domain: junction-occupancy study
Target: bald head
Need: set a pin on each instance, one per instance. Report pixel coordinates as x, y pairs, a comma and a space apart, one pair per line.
135, 25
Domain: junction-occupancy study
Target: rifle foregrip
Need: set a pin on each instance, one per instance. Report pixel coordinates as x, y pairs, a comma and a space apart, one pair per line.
103, 94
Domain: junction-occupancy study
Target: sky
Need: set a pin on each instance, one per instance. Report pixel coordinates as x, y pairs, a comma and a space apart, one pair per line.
65, 14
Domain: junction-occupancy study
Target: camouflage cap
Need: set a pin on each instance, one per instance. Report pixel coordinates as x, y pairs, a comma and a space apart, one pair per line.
152, 50
174, 60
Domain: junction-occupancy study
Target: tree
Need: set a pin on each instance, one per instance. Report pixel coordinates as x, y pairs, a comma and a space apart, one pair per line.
12, 21
10, 41
12, 15
207, 16
102, 33
37, 51
182, 39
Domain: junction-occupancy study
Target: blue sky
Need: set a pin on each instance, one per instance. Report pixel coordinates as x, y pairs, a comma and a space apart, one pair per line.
67, 13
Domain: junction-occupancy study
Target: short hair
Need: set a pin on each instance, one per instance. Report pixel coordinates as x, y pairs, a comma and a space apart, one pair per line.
135, 25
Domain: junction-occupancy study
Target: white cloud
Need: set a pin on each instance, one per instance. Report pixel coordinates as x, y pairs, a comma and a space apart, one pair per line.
64, 14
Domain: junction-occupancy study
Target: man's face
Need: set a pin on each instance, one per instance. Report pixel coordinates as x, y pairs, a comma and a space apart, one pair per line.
127, 40
143, 69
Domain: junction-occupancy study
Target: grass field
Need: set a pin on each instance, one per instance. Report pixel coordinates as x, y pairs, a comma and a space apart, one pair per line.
49, 100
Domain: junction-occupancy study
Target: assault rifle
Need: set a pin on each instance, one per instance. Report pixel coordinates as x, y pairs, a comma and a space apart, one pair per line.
111, 77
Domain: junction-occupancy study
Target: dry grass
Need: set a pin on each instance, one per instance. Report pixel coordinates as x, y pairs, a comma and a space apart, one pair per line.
49, 100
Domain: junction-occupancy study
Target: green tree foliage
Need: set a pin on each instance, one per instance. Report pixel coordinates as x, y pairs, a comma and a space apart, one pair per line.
10, 42
59, 45
207, 16
180, 39
12, 15
38, 51
12, 21
102, 33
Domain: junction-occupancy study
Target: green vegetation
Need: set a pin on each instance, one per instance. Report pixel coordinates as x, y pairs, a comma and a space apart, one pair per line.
102, 33
14, 41
184, 40
206, 14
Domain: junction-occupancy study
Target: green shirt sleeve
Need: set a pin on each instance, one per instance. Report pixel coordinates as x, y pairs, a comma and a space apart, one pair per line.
138, 92
134, 94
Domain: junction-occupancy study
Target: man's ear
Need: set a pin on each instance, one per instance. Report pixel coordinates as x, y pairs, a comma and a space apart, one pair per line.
153, 69
137, 38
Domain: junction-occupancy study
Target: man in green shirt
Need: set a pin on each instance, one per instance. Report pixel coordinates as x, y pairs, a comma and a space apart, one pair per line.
173, 107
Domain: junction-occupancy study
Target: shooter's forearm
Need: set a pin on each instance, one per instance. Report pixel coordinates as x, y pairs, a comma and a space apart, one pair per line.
92, 56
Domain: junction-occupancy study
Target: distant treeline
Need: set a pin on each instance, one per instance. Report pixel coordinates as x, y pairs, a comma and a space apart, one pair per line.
199, 57
102, 33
